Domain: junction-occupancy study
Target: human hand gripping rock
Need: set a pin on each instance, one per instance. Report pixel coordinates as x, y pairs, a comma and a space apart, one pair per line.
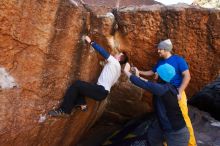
87, 39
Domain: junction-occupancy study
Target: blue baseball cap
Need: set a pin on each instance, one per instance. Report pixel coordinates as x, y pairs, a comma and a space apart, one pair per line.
166, 72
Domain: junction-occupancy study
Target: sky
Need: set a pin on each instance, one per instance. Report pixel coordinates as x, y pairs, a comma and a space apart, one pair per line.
170, 2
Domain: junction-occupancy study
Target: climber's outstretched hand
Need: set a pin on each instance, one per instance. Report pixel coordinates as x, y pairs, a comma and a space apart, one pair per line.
87, 39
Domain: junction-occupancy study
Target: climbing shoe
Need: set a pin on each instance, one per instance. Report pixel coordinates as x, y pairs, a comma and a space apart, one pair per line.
57, 113
83, 108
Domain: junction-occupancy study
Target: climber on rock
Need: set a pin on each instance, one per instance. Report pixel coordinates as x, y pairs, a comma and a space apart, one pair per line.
169, 124
76, 93
180, 80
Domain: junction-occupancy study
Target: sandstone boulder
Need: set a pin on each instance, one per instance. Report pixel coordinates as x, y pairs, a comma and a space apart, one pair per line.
42, 53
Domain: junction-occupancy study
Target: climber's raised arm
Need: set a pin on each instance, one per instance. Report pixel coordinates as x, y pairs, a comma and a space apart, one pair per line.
97, 47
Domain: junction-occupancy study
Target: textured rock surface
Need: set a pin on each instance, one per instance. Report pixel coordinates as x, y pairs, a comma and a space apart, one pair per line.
208, 3
206, 128
120, 3
206, 131
195, 35
208, 99
41, 48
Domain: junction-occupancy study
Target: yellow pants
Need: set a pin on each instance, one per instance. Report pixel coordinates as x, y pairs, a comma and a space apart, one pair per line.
184, 109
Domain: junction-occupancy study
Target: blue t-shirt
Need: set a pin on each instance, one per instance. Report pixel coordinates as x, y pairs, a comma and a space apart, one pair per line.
180, 66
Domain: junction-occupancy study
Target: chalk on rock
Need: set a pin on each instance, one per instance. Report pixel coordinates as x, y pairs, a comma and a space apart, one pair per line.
107, 15
42, 118
6, 81
102, 63
82, 2
216, 124
74, 2
110, 15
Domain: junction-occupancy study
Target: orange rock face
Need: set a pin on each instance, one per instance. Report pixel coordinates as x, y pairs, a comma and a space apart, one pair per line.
195, 36
41, 48
193, 32
120, 3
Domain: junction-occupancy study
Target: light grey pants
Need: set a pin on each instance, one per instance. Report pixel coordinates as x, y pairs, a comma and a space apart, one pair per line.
156, 136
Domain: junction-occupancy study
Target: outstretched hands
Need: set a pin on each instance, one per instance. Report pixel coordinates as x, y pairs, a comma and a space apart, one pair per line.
128, 70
